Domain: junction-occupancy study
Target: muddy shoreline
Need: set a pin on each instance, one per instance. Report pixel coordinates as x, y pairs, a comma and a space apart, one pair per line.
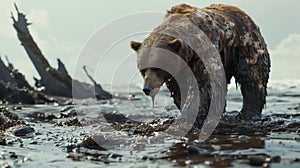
66, 135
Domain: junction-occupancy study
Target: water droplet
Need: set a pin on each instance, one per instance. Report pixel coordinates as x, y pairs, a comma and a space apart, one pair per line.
153, 97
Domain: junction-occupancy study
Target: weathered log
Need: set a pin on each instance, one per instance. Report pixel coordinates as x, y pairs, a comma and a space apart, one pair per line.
15, 89
14, 95
6, 74
12, 76
57, 82
62, 69
99, 92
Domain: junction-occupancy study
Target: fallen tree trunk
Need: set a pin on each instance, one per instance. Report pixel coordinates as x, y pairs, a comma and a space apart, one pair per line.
99, 92
15, 95
13, 77
57, 82
15, 89
6, 75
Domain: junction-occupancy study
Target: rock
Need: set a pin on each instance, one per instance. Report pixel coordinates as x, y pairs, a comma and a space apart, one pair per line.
276, 159
13, 155
214, 141
91, 144
114, 156
144, 158
67, 114
67, 108
196, 150
33, 142
24, 131
70, 148
3, 141
243, 138
9, 120
216, 147
208, 163
71, 122
17, 108
257, 160
293, 125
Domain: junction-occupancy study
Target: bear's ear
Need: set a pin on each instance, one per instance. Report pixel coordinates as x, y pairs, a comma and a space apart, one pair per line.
135, 45
176, 44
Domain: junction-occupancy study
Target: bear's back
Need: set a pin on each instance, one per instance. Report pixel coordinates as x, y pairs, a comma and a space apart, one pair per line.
221, 23
232, 32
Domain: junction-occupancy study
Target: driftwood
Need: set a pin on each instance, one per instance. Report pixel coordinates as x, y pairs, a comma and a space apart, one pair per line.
15, 89
56, 82
100, 93
13, 77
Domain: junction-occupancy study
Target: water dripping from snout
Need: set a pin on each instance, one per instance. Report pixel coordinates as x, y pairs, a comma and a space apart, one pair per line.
152, 94
153, 97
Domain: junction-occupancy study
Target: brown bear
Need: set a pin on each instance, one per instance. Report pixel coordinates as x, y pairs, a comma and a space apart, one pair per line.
239, 42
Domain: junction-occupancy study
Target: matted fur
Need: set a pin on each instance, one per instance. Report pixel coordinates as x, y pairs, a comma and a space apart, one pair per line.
241, 46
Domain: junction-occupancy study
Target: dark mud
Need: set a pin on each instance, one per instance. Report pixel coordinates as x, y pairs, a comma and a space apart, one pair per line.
113, 133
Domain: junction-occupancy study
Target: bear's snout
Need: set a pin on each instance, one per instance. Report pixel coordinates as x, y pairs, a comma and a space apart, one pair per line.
147, 89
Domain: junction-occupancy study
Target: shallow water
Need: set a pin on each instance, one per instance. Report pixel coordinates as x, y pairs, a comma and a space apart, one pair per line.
62, 136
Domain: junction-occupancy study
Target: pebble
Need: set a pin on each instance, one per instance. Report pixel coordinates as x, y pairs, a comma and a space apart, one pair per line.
293, 125
198, 142
297, 138
114, 156
33, 142
24, 131
38, 133
67, 108
276, 159
69, 102
243, 138
17, 108
6, 165
207, 162
256, 160
214, 140
266, 165
236, 141
196, 150
10, 143
188, 162
70, 148
216, 147
90, 143
3, 141
13, 156
144, 157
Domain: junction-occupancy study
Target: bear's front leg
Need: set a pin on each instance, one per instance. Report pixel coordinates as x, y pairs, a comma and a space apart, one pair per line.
254, 98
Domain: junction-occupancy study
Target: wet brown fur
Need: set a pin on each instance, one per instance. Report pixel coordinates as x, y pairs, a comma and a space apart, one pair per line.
241, 46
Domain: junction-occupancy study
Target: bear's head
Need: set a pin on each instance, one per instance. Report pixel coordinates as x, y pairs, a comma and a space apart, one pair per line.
155, 77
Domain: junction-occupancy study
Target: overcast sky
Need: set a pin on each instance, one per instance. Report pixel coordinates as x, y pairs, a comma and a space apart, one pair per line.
62, 28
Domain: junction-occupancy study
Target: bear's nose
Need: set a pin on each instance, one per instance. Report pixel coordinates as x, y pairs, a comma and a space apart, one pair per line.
147, 89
